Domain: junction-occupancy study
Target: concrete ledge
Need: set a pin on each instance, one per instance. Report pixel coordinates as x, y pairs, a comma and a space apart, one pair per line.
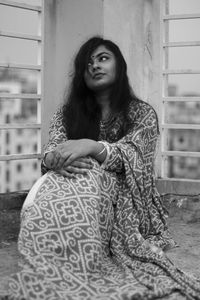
178, 186
181, 187
12, 200
183, 208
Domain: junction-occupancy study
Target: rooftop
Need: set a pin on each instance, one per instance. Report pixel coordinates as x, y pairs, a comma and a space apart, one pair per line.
184, 224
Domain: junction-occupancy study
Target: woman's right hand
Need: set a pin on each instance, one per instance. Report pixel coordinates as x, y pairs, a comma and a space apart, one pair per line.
79, 166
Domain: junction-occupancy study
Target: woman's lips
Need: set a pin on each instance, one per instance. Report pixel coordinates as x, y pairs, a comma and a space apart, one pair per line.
98, 75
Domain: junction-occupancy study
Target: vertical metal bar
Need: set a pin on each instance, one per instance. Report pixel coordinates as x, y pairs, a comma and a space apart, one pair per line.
162, 3
164, 83
165, 87
39, 77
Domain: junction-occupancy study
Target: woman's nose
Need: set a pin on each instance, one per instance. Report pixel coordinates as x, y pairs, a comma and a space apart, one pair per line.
95, 64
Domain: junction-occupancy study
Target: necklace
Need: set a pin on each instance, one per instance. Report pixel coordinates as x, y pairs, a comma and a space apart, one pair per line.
105, 122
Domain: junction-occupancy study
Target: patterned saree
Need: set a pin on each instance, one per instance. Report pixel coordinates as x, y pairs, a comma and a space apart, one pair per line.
91, 237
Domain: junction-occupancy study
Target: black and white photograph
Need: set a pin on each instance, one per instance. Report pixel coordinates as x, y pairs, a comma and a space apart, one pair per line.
99, 149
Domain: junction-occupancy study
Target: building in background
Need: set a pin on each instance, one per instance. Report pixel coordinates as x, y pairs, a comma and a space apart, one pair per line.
182, 139
17, 174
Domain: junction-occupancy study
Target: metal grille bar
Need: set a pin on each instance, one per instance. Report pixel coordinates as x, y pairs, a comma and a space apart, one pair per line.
20, 156
5, 96
181, 44
19, 126
20, 66
181, 99
186, 71
181, 126
20, 36
21, 5
181, 153
181, 17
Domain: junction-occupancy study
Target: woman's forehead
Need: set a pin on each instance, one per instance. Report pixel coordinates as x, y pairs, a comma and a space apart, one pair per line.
100, 49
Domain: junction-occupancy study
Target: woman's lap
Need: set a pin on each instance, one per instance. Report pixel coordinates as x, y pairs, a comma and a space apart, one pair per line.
64, 241
65, 234
70, 220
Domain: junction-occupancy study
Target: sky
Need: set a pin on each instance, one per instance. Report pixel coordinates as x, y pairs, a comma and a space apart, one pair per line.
187, 30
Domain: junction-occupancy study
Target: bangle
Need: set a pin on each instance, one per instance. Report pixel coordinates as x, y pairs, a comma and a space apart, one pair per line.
102, 151
43, 161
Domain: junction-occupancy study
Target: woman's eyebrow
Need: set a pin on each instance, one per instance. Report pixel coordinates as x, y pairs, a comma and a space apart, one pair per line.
99, 54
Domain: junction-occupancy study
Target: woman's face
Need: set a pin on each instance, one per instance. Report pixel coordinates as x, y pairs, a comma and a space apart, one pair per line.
101, 70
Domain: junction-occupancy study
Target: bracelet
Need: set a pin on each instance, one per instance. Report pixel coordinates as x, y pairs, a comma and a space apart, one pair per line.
43, 160
102, 151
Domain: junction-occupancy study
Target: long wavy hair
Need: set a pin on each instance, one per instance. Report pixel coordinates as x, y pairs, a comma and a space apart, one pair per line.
81, 112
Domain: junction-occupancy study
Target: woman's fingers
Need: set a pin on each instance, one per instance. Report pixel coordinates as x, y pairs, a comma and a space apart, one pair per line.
54, 161
59, 158
67, 174
81, 163
85, 159
71, 172
76, 170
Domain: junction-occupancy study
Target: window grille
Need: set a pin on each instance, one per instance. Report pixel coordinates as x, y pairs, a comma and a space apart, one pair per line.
23, 121
180, 117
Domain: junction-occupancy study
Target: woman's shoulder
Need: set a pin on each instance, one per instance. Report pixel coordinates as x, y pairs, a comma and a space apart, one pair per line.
57, 117
139, 109
138, 104
58, 113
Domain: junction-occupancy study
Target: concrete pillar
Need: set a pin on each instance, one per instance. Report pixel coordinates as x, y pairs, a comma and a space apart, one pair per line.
135, 26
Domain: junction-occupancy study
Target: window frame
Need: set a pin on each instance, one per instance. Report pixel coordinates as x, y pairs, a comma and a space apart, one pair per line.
4, 96
173, 185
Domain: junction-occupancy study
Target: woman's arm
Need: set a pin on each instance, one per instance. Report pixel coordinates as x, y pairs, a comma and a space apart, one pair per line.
67, 153
57, 132
140, 140
57, 135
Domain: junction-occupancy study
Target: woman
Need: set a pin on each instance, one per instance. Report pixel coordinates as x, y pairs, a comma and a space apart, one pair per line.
93, 227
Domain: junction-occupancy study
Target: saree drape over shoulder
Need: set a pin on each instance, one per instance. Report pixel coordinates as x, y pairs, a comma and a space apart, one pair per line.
89, 237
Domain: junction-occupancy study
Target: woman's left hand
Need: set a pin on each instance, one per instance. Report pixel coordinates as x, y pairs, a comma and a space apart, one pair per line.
79, 166
65, 154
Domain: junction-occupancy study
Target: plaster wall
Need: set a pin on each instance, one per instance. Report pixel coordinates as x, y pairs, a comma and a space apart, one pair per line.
67, 24
135, 26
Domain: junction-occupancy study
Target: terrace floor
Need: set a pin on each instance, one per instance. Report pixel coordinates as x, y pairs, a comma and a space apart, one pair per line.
184, 224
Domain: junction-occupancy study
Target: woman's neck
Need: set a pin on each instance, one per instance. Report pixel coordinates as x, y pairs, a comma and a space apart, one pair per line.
104, 101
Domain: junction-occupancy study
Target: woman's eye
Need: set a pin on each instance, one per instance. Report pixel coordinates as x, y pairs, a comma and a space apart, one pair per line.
103, 58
